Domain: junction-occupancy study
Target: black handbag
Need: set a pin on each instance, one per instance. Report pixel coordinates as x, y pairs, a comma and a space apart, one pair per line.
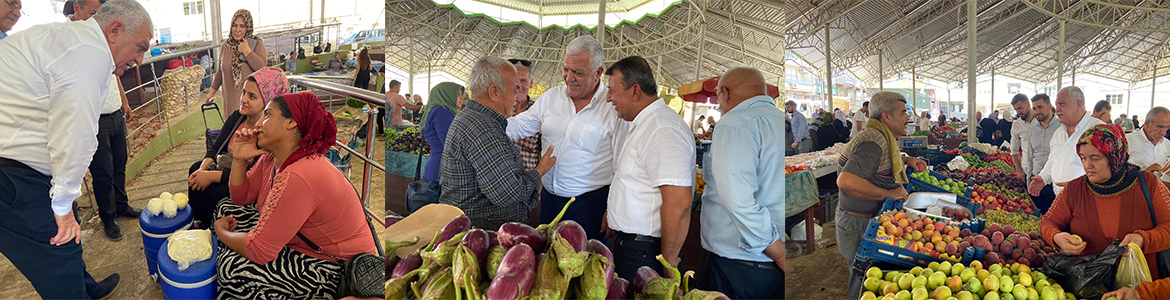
1163, 257
361, 276
418, 193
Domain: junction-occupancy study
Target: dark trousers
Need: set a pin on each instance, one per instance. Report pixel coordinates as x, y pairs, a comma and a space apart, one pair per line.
742, 281
631, 252
1044, 201
587, 210
203, 202
26, 226
381, 120
108, 167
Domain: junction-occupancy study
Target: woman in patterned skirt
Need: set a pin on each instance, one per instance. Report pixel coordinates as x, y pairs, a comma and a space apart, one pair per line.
291, 189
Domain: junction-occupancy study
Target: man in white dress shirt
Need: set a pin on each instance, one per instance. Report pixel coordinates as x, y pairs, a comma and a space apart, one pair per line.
9, 14
1021, 127
650, 198
860, 117
1064, 164
581, 127
56, 78
1148, 147
108, 167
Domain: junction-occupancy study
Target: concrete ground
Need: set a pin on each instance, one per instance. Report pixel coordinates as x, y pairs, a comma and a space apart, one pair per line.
820, 275
168, 173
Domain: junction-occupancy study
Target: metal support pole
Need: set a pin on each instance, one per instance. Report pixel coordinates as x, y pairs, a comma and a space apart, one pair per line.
310, 12
601, 21
322, 11
971, 34
216, 26
370, 139
992, 90
914, 89
828, 70
881, 73
1060, 59
1153, 86
410, 81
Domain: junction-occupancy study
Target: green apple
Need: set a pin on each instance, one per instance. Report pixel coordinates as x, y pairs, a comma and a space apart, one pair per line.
902, 295
1059, 291
1020, 292
1040, 285
916, 271
991, 283
1006, 284
873, 272
1047, 293
964, 295
957, 269
977, 265
967, 274
1037, 276
942, 293
994, 268
1033, 294
889, 288
935, 280
919, 281
919, 293
933, 266
945, 267
888, 297
1026, 279
905, 281
871, 284
991, 295
893, 276
955, 284
1006, 296
868, 296
1070, 296
974, 286
982, 274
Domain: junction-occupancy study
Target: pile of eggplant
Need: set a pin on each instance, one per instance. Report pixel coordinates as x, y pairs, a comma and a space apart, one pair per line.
552, 261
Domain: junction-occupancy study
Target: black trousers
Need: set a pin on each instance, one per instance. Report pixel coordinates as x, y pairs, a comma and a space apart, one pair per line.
26, 226
203, 202
1044, 201
108, 167
587, 210
631, 252
743, 281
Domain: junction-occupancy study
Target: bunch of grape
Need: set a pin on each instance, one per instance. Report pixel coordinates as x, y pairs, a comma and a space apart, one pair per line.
1022, 222
948, 184
410, 140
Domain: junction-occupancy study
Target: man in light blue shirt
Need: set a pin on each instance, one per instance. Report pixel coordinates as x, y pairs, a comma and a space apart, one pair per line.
801, 141
9, 14
743, 204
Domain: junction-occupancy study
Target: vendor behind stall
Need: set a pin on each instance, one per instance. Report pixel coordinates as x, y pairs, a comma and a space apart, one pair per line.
871, 171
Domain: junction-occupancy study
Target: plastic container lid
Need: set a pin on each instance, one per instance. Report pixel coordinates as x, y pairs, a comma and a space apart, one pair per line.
198, 274
161, 224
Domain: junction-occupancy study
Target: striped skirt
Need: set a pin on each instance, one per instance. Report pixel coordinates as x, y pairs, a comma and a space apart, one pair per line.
292, 275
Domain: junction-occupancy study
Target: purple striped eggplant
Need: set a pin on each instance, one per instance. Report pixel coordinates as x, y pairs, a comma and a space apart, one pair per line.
549, 284
476, 240
573, 233
705, 295
399, 288
495, 257
619, 289
459, 224
546, 230
410, 263
493, 238
596, 246
515, 275
643, 275
443, 251
440, 287
513, 233
661, 287
392, 259
571, 262
594, 283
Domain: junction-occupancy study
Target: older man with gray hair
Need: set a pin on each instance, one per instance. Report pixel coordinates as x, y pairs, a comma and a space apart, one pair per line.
1064, 164
1148, 148
56, 79
481, 170
575, 118
871, 171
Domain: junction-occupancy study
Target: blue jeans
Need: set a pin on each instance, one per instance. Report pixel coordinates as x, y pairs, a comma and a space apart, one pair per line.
741, 281
26, 225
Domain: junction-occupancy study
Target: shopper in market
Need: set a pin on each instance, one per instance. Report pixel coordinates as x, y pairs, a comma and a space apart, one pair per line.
1102, 110
43, 159
743, 204
575, 118
481, 171
871, 171
1148, 148
529, 146
649, 207
207, 179
292, 198
987, 128
860, 117
446, 100
396, 104
1109, 202
241, 54
1044, 125
1063, 165
942, 121
1004, 125
9, 14
1020, 146
802, 142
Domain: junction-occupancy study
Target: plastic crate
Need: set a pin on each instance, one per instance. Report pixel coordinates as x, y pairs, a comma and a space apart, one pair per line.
876, 248
916, 185
935, 157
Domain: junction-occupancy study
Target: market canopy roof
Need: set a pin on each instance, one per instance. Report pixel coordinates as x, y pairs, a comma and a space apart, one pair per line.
732, 32
1122, 39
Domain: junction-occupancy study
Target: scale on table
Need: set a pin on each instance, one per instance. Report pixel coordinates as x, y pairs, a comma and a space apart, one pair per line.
913, 145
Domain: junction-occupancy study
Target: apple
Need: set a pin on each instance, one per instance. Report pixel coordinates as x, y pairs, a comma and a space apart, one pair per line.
871, 284
1040, 285
935, 280
1006, 284
991, 296
964, 295
1006, 296
1048, 293
1020, 292
995, 268
957, 269
933, 266
1070, 296
893, 276
905, 280
1033, 294
889, 288
955, 283
974, 286
919, 293
916, 271
982, 274
977, 265
873, 272
902, 295
942, 293
991, 283
966, 275
919, 281
868, 296
1059, 291
945, 267
1026, 279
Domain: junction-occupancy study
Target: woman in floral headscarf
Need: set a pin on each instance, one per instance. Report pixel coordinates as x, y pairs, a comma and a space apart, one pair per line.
207, 179
292, 195
241, 54
1108, 203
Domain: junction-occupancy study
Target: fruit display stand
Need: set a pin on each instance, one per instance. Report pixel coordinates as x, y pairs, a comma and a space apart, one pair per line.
878, 246
919, 185
958, 281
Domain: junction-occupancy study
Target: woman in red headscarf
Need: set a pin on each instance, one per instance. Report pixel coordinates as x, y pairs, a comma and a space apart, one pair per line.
291, 189
1108, 204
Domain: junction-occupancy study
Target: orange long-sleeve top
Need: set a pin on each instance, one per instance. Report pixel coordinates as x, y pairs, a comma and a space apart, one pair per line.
309, 196
1069, 213
1157, 289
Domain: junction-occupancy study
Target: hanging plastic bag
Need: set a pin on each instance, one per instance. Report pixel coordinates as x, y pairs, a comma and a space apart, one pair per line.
189, 246
958, 164
1088, 276
1133, 269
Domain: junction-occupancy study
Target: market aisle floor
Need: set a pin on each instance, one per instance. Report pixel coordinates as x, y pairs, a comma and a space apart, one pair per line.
103, 257
820, 275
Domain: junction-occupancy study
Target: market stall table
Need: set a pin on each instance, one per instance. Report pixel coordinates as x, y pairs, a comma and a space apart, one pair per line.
800, 196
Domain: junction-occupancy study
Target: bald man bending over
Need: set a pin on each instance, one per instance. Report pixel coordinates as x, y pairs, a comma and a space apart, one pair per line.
743, 207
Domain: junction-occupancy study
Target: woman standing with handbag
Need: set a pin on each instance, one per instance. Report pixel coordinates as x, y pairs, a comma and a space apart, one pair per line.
241, 54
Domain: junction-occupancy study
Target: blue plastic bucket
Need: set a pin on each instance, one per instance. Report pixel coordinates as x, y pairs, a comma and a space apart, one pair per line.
196, 282
156, 229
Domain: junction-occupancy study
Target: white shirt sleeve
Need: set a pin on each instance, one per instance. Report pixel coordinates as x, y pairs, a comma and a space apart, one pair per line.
73, 116
1017, 138
528, 122
670, 159
1053, 153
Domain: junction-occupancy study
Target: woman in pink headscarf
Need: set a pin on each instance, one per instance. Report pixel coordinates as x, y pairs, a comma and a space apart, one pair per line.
207, 179
292, 195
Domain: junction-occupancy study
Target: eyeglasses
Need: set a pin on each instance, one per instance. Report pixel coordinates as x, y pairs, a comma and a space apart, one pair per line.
16, 6
522, 62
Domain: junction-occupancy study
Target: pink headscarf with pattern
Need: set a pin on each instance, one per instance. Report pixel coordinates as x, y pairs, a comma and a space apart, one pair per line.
271, 81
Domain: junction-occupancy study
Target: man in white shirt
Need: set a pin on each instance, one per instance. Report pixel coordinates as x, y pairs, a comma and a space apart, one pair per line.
1064, 164
1021, 128
108, 167
859, 119
650, 198
56, 78
575, 119
1148, 147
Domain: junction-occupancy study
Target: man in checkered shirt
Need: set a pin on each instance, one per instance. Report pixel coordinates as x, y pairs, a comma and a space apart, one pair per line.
481, 169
